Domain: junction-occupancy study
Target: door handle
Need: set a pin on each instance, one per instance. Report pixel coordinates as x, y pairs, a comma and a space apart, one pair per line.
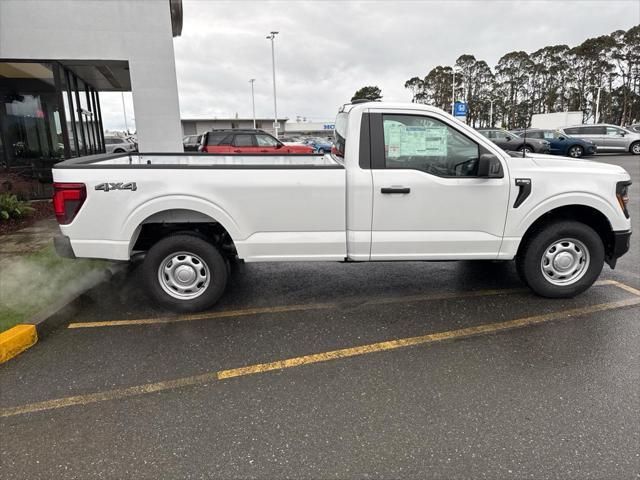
395, 190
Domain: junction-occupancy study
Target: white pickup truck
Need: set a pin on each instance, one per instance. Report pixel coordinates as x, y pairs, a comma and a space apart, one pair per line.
405, 182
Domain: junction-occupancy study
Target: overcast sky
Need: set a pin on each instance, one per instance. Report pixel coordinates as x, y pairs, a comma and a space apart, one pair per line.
328, 49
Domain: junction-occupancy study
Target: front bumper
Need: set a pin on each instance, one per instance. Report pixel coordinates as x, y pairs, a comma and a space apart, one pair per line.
619, 246
62, 245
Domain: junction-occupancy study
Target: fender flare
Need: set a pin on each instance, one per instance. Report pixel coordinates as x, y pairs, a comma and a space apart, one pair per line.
134, 220
582, 199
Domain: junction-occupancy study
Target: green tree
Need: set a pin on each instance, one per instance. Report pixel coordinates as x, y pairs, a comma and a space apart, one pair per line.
554, 78
371, 93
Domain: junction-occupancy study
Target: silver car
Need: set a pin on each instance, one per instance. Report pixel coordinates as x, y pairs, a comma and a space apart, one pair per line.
608, 138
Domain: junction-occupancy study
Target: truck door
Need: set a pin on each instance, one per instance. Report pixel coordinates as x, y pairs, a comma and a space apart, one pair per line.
428, 201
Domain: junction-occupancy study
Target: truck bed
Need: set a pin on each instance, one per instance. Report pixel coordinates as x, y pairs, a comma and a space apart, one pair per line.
274, 207
201, 160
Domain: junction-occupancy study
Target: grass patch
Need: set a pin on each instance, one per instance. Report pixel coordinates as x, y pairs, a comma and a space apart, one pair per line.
30, 282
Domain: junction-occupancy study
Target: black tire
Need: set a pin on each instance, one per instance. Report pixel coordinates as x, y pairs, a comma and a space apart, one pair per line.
205, 259
529, 261
526, 148
635, 148
575, 151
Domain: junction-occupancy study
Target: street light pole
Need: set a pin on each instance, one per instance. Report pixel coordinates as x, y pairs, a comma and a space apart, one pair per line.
453, 90
596, 118
491, 113
124, 110
272, 37
253, 102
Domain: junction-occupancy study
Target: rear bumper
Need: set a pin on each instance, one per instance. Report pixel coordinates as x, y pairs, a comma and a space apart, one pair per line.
620, 246
62, 245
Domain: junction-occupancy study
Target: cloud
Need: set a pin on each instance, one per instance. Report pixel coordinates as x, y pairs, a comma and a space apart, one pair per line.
328, 49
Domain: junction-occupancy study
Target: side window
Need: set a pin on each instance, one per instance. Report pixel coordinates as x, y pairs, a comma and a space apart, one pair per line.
534, 134
266, 141
549, 135
592, 130
429, 145
572, 131
243, 141
615, 132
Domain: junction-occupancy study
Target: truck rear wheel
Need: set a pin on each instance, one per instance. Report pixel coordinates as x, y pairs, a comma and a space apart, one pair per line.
561, 260
185, 273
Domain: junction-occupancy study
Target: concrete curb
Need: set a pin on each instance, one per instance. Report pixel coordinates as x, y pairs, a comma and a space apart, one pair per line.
25, 335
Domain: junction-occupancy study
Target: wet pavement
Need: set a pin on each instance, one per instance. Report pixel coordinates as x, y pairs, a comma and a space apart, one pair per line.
493, 382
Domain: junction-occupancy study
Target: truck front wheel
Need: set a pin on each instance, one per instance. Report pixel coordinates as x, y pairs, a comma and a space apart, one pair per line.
561, 260
185, 273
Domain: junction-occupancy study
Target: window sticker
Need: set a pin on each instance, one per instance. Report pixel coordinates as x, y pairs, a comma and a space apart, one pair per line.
436, 142
393, 132
414, 141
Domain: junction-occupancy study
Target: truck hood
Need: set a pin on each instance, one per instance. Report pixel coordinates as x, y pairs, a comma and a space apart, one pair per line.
559, 164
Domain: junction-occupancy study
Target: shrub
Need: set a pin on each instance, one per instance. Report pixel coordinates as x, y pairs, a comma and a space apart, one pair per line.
11, 207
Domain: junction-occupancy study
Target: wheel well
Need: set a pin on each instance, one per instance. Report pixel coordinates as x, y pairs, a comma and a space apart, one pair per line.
162, 224
579, 213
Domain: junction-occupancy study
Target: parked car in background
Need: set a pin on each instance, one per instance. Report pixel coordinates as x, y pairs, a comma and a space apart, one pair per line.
634, 128
510, 141
119, 145
559, 143
191, 143
247, 141
291, 140
319, 145
608, 138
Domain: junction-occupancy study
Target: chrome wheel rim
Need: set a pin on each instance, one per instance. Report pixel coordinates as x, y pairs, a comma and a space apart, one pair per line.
636, 148
574, 152
184, 275
526, 150
565, 261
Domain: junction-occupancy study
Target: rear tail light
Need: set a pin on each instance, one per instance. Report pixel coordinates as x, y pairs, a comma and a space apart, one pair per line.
67, 200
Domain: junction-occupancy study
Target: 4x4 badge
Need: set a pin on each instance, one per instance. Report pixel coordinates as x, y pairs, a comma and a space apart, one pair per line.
107, 187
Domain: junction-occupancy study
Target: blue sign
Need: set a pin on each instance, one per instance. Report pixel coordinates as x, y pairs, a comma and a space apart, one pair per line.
329, 126
460, 109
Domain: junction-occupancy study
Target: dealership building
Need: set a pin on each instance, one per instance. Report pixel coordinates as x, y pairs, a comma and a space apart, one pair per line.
56, 58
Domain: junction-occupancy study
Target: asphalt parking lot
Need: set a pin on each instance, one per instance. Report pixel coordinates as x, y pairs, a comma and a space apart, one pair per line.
407, 370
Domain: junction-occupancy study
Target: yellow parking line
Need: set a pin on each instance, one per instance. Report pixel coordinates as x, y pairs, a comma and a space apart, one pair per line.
626, 287
108, 395
203, 316
304, 307
314, 358
422, 339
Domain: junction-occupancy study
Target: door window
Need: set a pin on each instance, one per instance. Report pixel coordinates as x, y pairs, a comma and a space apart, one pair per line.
243, 141
426, 144
266, 141
615, 132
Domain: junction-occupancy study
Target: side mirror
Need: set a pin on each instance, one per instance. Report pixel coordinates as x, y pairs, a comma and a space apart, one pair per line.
560, 138
489, 166
279, 145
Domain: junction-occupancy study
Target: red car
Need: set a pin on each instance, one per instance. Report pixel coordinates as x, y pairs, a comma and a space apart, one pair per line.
247, 141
